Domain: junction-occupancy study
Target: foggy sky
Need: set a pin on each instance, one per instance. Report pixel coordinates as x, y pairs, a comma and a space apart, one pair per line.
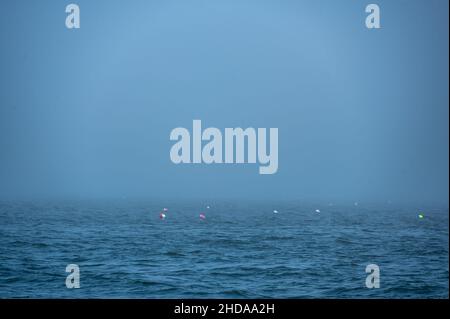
362, 114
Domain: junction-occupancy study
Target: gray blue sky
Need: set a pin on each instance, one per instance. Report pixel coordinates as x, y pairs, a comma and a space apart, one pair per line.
362, 114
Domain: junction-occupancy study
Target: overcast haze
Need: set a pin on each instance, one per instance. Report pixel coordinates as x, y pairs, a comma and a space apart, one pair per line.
362, 114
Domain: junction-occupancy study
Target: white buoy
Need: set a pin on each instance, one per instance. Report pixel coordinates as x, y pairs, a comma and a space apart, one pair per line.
275, 211
317, 210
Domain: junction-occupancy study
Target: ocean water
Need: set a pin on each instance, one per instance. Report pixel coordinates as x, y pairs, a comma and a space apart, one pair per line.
241, 250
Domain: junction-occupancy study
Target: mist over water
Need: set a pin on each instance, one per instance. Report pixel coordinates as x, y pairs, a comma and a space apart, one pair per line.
363, 150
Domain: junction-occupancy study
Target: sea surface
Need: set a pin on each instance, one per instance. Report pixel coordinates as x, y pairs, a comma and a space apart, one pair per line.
241, 250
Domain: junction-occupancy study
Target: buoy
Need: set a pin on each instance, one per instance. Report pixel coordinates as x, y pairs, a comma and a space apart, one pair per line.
162, 216
275, 211
317, 210
202, 216
421, 216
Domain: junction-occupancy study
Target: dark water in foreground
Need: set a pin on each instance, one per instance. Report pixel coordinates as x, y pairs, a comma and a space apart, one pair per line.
240, 251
